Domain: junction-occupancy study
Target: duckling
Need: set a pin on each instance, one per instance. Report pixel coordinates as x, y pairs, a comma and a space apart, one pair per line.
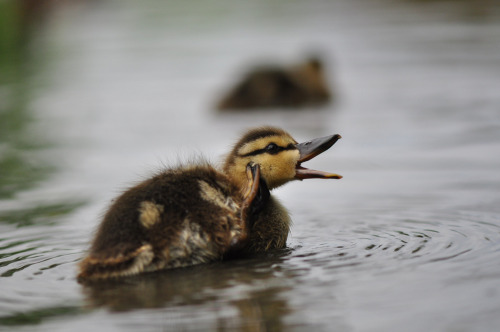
195, 214
298, 86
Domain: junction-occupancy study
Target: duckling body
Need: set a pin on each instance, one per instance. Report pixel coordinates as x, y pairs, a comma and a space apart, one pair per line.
196, 214
273, 86
179, 217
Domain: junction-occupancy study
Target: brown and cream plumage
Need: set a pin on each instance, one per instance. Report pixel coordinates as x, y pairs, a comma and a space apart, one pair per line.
297, 86
196, 214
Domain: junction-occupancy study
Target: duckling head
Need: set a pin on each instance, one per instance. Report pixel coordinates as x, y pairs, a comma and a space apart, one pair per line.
278, 156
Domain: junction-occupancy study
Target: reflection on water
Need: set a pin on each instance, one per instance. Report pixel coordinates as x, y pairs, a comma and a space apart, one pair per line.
42, 215
107, 90
246, 293
17, 145
28, 241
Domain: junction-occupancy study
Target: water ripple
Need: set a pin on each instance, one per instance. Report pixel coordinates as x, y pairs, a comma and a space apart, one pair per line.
392, 242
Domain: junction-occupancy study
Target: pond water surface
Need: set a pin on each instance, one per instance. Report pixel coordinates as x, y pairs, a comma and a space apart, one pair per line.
409, 239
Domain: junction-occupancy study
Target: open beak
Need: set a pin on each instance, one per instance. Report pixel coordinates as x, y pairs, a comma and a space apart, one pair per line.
311, 149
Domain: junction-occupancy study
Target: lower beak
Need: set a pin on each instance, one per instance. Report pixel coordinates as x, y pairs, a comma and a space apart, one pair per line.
311, 149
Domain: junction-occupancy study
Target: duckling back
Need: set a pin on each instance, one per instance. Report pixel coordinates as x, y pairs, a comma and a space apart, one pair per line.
180, 217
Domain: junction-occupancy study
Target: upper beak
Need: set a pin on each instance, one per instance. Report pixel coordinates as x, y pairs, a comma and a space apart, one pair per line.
311, 149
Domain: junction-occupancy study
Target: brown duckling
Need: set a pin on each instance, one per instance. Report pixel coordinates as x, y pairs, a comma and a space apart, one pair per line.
196, 214
294, 87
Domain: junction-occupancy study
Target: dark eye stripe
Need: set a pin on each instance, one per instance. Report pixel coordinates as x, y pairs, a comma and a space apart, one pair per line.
277, 150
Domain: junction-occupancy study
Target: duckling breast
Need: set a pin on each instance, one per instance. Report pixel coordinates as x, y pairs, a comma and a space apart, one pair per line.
270, 227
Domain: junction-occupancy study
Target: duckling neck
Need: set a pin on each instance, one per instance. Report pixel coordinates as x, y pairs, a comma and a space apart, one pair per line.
269, 222
260, 201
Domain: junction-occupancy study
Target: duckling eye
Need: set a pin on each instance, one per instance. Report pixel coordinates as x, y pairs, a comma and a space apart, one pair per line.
272, 148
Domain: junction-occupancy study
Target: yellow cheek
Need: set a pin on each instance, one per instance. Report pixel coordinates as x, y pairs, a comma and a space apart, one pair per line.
278, 169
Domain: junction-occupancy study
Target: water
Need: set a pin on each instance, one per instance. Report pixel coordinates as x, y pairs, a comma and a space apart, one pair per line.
409, 239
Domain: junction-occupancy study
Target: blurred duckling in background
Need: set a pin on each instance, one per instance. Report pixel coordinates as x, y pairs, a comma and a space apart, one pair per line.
299, 86
196, 213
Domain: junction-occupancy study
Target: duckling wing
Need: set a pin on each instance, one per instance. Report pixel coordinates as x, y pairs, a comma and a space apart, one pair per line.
178, 218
